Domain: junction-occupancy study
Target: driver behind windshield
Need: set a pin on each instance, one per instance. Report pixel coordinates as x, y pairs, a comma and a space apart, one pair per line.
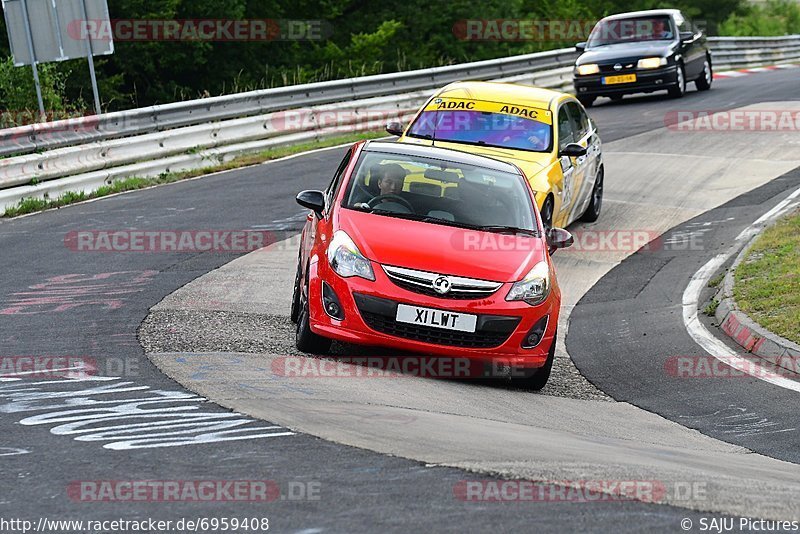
390, 179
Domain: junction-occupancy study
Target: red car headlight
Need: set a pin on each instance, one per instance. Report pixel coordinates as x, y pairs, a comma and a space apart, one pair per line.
346, 259
534, 288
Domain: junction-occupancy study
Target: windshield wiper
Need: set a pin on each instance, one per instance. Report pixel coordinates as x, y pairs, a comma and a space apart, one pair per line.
498, 228
424, 218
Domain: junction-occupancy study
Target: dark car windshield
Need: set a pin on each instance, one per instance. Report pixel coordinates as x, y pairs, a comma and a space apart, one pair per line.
440, 192
483, 128
634, 29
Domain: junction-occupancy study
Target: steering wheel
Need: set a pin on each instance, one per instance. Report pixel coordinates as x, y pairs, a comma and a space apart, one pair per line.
392, 197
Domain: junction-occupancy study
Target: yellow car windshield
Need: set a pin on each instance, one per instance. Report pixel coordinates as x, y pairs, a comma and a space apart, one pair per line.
483, 128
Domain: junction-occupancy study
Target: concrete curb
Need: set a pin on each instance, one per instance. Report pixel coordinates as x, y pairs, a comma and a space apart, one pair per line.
745, 332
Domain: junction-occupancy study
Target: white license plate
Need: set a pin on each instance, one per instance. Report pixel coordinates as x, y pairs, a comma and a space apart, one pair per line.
463, 322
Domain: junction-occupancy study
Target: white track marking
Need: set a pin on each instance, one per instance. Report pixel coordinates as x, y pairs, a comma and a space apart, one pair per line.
691, 297
141, 419
11, 451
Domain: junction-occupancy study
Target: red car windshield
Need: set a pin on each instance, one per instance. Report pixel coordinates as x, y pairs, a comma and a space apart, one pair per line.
631, 30
483, 128
439, 192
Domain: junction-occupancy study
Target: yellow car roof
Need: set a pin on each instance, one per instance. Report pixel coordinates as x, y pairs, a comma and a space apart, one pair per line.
502, 92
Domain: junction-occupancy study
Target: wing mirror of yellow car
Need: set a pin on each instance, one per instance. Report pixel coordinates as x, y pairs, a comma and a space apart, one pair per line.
395, 128
572, 150
558, 238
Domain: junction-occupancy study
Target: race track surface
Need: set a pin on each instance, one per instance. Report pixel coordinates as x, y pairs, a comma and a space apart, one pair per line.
55, 301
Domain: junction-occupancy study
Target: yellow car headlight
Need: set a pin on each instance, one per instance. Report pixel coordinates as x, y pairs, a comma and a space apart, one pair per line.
590, 68
651, 63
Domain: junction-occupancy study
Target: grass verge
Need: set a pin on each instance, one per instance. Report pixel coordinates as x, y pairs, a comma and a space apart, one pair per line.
31, 205
768, 280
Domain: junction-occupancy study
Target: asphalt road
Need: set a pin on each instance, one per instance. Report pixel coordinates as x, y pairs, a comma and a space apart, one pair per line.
627, 335
359, 491
224, 332
98, 318
642, 113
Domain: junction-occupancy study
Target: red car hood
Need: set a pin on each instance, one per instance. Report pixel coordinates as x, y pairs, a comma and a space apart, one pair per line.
442, 249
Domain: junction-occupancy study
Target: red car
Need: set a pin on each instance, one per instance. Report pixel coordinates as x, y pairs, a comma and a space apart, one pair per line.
429, 250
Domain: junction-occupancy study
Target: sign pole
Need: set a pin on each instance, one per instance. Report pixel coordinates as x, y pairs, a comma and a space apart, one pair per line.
33, 59
90, 57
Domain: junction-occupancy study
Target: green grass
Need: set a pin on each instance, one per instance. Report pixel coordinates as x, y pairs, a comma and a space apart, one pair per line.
717, 280
768, 280
711, 308
31, 205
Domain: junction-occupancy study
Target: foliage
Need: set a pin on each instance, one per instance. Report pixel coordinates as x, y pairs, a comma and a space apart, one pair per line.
365, 38
776, 17
18, 93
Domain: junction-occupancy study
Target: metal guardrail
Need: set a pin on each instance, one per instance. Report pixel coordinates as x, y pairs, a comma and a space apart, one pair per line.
742, 52
88, 166
48, 136
85, 154
729, 52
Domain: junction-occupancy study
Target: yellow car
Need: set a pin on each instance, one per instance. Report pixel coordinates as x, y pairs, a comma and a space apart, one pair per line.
545, 133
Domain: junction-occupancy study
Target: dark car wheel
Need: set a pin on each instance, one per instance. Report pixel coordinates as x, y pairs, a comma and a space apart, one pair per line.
703, 83
680, 87
547, 213
592, 213
587, 101
305, 340
539, 377
296, 295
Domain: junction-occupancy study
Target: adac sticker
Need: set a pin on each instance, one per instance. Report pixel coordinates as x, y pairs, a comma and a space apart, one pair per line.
463, 104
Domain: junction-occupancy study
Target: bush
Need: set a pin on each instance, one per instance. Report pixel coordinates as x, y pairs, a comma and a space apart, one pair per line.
18, 93
776, 17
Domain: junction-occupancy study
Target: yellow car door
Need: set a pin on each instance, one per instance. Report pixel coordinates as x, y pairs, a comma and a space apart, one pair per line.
571, 169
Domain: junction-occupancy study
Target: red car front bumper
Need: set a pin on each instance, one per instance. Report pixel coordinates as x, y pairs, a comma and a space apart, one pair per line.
368, 320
